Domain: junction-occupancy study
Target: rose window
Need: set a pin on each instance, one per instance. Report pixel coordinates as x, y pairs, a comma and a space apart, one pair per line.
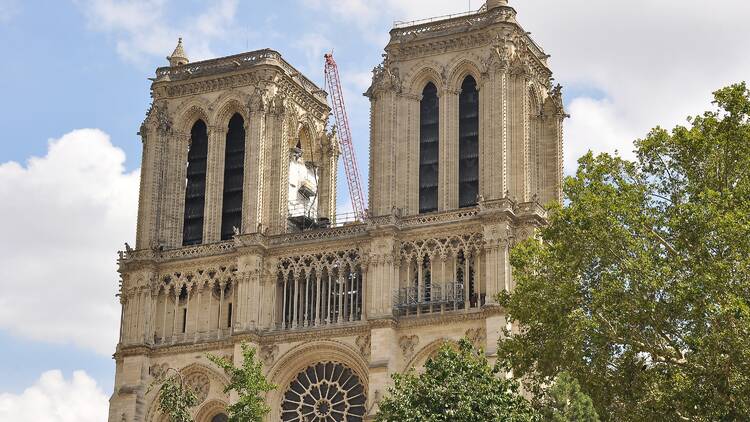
325, 392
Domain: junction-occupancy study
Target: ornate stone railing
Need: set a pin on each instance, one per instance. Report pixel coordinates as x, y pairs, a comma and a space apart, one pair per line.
179, 253
524, 210
450, 216
352, 230
425, 219
238, 61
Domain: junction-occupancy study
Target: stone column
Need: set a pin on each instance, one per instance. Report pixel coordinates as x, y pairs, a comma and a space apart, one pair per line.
401, 149
382, 362
249, 289
448, 189
276, 167
172, 216
148, 200
550, 149
497, 260
327, 172
382, 276
518, 135
411, 158
254, 170
214, 184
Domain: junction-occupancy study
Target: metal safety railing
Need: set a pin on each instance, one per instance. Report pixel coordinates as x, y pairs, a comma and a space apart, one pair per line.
430, 297
404, 24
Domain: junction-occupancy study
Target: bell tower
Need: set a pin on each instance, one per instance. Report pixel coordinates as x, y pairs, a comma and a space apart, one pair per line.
463, 109
235, 145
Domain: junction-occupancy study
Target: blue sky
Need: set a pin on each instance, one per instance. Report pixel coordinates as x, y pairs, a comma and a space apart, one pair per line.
70, 65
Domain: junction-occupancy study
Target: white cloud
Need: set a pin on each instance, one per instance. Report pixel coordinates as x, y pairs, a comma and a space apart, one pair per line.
596, 127
365, 12
314, 46
63, 216
143, 28
359, 11
655, 62
54, 399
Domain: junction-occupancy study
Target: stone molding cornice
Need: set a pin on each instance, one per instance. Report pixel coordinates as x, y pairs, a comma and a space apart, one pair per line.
287, 85
248, 60
265, 338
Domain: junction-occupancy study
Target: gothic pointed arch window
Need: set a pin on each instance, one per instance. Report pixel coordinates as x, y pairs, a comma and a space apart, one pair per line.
468, 143
429, 147
234, 171
195, 185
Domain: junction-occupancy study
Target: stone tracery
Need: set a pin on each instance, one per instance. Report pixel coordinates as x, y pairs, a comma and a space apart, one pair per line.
320, 289
440, 274
324, 392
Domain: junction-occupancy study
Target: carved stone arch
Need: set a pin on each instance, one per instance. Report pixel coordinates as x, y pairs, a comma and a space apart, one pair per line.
227, 105
300, 357
306, 136
211, 409
288, 366
216, 391
290, 131
426, 74
190, 112
462, 67
219, 380
428, 351
535, 99
520, 66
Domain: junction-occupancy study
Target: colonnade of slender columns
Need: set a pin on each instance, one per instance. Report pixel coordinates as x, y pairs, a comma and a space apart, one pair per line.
194, 312
320, 297
440, 283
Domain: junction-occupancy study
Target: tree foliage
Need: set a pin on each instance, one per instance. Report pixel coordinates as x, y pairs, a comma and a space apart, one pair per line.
565, 402
458, 385
640, 286
176, 399
249, 383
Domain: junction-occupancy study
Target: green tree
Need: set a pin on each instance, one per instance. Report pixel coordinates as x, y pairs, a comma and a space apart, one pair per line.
639, 287
458, 385
249, 383
176, 399
565, 402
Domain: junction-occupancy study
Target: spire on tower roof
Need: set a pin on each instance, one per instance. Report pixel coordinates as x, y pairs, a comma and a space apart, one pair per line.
178, 57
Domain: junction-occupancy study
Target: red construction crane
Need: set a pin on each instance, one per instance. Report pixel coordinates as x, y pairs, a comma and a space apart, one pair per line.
333, 85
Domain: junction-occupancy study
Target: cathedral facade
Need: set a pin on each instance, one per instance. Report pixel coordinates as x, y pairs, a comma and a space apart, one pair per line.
238, 239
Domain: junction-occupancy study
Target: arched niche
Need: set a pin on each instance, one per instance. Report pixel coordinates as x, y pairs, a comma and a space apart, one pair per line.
427, 352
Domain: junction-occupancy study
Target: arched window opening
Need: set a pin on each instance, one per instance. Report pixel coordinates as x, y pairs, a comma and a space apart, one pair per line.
195, 187
303, 184
468, 143
234, 171
429, 146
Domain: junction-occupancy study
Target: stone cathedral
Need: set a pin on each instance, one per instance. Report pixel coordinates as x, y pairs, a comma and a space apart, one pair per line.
238, 238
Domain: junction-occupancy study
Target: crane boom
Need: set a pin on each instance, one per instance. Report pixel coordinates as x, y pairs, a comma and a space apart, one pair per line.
333, 84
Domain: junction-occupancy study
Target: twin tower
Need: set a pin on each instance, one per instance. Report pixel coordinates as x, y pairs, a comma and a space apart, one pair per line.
238, 238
